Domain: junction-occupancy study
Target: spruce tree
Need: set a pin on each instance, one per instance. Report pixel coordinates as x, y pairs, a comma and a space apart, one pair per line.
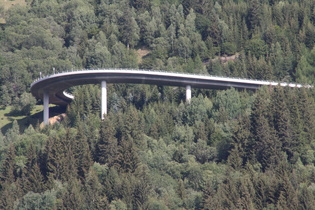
254, 15
282, 122
296, 120
142, 188
107, 146
60, 158
33, 179
72, 197
82, 155
7, 169
8, 195
128, 159
93, 192
307, 108
242, 149
133, 127
265, 144
306, 198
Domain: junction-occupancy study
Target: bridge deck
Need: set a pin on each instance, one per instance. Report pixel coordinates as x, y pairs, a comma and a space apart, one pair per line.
54, 85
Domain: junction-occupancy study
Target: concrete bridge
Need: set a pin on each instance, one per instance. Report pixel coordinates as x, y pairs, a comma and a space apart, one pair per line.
51, 89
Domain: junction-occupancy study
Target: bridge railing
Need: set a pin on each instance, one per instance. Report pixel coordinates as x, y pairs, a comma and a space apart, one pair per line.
237, 79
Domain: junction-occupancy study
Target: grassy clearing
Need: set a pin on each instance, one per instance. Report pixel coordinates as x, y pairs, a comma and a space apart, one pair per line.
6, 118
36, 117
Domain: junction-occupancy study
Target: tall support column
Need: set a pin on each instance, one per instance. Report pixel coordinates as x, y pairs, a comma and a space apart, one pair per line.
188, 93
104, 100
46, 108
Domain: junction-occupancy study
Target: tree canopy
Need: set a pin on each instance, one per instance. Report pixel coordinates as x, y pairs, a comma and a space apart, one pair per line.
226, 149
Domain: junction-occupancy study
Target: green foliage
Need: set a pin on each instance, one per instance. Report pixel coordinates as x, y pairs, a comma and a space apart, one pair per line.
25, 104
60, 160
118, 205
229, 149
172, 155
13, 133
7, 169
199, 109
86, 102
227, 105
33, 200
305, 68
256, 47
228, 48
106, 148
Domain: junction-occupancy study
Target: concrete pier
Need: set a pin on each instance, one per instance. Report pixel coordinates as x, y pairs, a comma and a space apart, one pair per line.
188, 93
104, 100
46, 108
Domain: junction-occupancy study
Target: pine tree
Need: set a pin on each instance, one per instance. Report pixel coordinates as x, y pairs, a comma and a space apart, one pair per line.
112, 184
53, 156
242, 151
107, 146
73, 198
289, 193
13, 133
93, 192
126, 189
9, 194
247, 193
129, 29
200, 131
307, 108
82, 155
306, 198
281, 121
140, 5
60, 159
7, 169
266, 146
227, 195
128, 159
2, 140
254, 15
305, 134
87, 102
296, 120
213, 30
133, 127
181, 191
33, 179
235, 157
142, 188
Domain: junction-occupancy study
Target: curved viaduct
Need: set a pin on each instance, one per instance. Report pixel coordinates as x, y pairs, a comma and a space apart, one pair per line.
52, 88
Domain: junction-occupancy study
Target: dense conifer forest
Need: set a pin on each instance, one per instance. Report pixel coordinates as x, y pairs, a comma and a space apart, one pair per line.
227, 149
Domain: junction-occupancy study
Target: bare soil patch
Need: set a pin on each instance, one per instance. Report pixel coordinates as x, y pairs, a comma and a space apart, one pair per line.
55, 119
141, 53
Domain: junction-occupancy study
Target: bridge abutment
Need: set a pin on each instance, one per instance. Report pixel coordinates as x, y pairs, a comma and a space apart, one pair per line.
104, 100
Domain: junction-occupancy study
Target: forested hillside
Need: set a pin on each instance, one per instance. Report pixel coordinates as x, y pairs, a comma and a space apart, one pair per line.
227, 149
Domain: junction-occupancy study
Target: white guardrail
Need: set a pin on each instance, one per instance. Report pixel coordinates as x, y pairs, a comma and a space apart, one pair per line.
176, 74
